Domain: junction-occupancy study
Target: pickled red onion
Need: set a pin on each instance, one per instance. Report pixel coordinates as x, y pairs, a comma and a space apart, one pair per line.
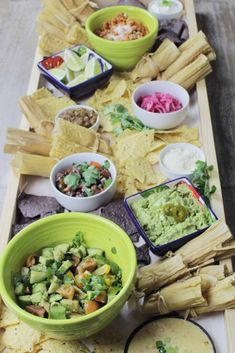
159, 103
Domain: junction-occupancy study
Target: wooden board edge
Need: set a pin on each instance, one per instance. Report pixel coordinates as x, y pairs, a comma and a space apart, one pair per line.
14, 180
210, 151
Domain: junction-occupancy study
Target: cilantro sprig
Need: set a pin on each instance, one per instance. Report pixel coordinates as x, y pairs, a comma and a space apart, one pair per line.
118, 114
200, 179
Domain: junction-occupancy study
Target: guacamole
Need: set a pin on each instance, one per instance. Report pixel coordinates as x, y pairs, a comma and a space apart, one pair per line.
171, 213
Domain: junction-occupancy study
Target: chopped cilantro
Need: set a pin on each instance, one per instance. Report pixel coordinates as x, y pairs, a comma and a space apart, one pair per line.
106, 164
107, 183
72, 180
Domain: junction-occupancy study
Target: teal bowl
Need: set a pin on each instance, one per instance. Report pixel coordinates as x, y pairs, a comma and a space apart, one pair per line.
123, 55
98, 232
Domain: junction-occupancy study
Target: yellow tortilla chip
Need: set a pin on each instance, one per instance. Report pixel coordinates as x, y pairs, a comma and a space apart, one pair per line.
62, 148
52, 105
135, 146
7, 317
153, 157
56, 346
21, 337
109, 340
156, 145
104, 147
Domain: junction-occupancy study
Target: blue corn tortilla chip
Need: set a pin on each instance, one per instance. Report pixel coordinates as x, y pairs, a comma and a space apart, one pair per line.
142, 253
32, 206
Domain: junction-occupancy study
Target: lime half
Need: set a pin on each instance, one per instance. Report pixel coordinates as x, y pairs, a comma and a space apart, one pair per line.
79, 79
58, 74
73, 61
93, 68
85, 58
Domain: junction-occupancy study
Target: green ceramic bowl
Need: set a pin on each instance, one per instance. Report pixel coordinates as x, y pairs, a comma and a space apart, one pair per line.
123, 55
99, 232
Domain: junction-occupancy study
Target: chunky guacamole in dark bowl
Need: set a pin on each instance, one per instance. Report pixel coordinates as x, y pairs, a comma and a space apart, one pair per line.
169, 215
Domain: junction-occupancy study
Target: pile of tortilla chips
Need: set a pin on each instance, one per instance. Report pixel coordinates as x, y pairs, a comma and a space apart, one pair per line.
17, 337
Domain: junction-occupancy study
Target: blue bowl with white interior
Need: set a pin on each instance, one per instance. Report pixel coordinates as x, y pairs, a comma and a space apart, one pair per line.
174, 244
85, 88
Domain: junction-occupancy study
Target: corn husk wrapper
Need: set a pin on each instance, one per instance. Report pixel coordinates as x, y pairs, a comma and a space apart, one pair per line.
151, 64
219, 297
26, 141
159, 274
206, 246
217, 271
192, 73
59, 10
32, 164
200, 36
175, 297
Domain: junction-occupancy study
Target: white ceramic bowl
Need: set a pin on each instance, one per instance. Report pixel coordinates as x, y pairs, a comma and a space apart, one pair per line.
83, 204
161, 121
94, 127
170, 173
166, 16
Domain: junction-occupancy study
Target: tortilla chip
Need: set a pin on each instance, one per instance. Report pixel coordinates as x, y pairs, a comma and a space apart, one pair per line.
62, 148
76, 34
135, 146
153, 157
52, 105
104, 147
7, 317
109, 340
55, 346
142, 254
21, 337
157, 145
32, 206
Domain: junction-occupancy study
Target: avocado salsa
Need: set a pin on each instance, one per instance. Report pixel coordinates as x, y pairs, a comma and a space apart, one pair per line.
167, 213
67, 280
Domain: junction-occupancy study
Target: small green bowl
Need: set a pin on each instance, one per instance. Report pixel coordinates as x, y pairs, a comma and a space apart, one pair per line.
98, 232
123, 55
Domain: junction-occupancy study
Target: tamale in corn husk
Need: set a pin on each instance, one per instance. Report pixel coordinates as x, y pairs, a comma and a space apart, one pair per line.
218, 271
192, 73
175, 297
60, 12
206, 246
50, 44
152, 64
200, 36
26, 141
219, 297
186, 57
32, 164
159, 274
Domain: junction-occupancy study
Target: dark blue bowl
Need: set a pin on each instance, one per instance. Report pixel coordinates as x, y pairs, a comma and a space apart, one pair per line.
82, 89
177, 243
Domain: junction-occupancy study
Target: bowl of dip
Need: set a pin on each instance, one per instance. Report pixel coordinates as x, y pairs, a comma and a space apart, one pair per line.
179, 159
169, 334
160, 104
165, 9
122, 34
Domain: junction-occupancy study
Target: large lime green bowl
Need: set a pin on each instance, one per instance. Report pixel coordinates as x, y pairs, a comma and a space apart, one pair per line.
99, 232
123, 55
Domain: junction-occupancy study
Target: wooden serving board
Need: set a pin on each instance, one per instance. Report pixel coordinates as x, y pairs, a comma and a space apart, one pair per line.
200, 109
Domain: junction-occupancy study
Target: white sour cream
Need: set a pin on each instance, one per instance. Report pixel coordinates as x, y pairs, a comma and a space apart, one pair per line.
181, 160
165, 8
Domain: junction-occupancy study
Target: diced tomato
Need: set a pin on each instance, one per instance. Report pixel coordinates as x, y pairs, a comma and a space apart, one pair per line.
102, 298
90, 306
95, 164
52, 62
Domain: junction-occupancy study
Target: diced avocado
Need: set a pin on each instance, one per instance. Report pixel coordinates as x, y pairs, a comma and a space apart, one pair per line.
38, 268
36, 276
55, 298
39, 287
36, 298
47, 252
75, 252
65, 266
55, 284
46, 261
24, 300
24, 271
58, 255
71, 305
95, 251
20, 289
82, 250
62, 247
112, 292
57, 312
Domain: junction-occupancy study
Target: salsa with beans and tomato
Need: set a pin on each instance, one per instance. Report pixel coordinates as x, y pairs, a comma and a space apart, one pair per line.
85, 179
122, 28
81, 116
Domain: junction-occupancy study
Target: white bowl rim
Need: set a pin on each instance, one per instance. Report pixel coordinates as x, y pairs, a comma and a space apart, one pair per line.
172, 84
170, 146
177, 12
77, 107
87, 197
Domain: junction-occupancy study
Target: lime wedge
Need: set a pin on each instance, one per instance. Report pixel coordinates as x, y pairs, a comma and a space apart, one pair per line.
57, 73
69, 74
92, 68
72, 60
85, 58
77, 80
